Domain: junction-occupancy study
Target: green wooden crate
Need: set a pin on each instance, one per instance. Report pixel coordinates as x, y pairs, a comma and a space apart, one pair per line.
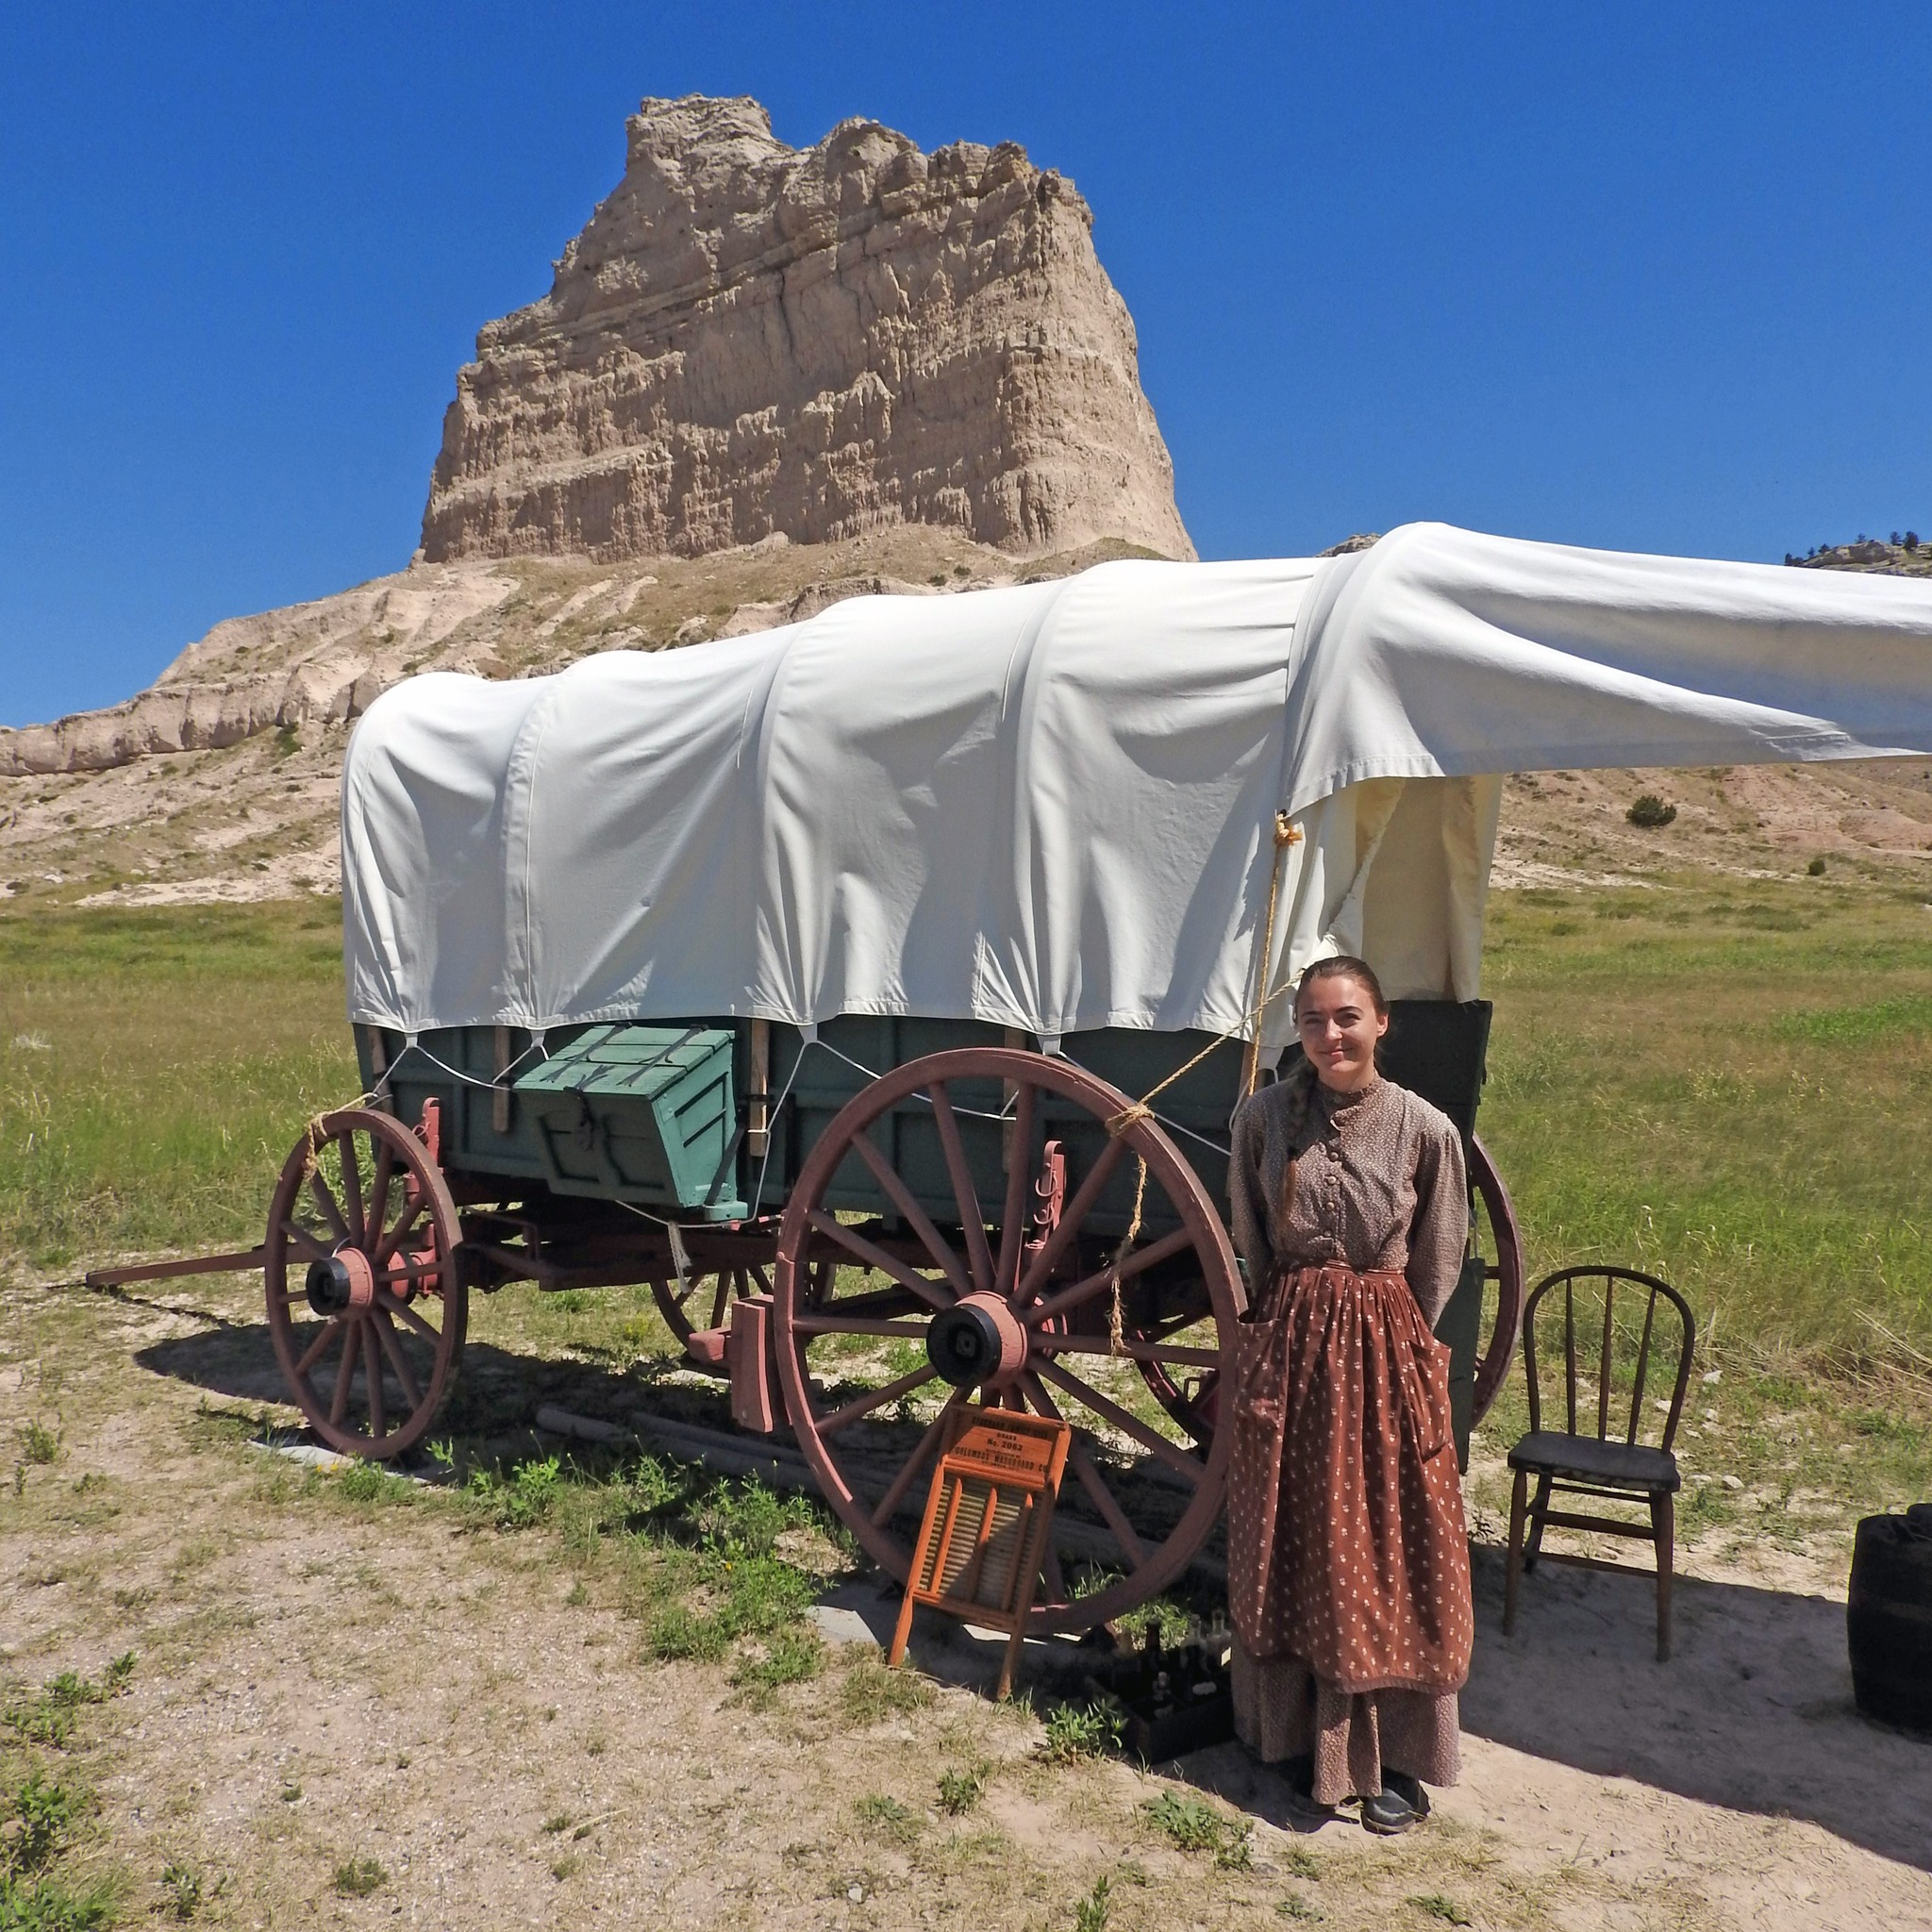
643, 1113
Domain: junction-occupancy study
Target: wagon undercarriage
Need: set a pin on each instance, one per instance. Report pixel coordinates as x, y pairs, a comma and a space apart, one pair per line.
1036, 1241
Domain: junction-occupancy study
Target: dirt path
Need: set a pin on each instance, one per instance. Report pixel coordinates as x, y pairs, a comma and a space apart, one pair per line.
333, 1692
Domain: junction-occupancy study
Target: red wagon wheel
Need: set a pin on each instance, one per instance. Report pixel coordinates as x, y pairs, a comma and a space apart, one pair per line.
366, 1304
1194, 1401
974, 1312
1499, 1241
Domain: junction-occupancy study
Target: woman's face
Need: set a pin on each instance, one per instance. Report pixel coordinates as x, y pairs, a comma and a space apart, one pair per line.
1339, 1028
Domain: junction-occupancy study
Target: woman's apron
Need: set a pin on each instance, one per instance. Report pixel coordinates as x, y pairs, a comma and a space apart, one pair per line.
1346, 1545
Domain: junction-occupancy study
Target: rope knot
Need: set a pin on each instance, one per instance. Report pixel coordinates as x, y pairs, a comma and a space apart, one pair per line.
1118, 1123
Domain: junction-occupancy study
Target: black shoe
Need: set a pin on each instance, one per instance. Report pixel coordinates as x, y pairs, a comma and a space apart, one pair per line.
1408, 1789
1400, 1806
1298, 1774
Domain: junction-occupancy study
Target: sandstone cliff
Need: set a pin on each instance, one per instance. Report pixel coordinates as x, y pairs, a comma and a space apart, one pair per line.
750, 339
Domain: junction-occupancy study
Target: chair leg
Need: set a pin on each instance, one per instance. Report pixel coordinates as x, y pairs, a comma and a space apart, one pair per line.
1537, 1510
1664, 1527
1512, 1569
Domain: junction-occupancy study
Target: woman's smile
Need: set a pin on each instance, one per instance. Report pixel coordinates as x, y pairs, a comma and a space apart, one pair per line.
1340, 1028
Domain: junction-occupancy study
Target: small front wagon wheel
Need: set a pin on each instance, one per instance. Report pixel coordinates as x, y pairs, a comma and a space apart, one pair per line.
366, 1301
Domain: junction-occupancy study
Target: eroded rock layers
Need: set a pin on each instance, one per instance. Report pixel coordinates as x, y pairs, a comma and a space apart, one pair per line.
750, 339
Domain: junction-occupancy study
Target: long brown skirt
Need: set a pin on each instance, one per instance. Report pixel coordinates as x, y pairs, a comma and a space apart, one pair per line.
1282, 1709
1348, 1563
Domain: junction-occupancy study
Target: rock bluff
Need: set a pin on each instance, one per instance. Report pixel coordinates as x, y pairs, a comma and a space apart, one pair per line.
752, 340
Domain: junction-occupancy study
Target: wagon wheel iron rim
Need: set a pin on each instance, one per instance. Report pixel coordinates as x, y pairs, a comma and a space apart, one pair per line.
1144, 1498
367, 1303
1504, 1271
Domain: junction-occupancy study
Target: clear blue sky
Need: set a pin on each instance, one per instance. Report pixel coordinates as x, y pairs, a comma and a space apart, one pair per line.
1645, 276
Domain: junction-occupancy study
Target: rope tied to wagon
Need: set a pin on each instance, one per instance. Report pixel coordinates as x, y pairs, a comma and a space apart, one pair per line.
1286, 834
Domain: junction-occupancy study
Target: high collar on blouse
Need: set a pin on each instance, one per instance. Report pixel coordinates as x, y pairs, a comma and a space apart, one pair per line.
1336, 1103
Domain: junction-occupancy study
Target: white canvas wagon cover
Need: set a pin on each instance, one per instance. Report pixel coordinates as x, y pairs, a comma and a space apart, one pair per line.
1052, 806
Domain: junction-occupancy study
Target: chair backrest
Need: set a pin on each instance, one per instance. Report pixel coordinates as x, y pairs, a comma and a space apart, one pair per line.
1644, 1288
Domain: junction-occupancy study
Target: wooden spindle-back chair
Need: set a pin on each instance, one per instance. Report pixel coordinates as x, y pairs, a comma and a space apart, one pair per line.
1572, 1461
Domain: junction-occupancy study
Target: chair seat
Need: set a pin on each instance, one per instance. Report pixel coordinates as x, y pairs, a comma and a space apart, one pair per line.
1624, 1465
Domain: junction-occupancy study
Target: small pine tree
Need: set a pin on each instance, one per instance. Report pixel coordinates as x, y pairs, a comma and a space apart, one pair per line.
1911, 540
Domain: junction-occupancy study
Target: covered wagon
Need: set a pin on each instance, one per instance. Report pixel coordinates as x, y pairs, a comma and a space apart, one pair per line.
880, 988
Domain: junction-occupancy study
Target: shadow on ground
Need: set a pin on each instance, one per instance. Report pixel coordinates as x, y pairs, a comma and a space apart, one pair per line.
497, 1390
1754, 1711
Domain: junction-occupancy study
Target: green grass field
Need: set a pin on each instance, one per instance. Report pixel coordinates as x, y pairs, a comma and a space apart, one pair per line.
1729, 1082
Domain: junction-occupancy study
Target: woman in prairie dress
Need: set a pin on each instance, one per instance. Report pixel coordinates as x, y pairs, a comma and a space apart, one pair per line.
1348, 1563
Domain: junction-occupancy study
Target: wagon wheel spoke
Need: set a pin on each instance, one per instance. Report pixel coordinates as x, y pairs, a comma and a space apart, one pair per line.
1039, 1269
302, 1241
920, 1220
1093, 1483
877, 1398
312, 1354
404, 1312
875, 1257
407, 1224
735, 1280
667, 1288
371, 1376
928, 1443
1019, 1188
346, 1372
378, 1187
1124, 1420
352, 1190
393, 1347
881, 1302
326, 1202
965, 1194
1137, 1264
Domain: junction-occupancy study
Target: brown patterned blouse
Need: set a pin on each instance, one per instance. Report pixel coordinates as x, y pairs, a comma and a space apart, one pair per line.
1379, 1183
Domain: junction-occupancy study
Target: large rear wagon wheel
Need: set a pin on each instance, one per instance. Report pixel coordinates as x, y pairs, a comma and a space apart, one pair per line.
981, 1301
366, 1303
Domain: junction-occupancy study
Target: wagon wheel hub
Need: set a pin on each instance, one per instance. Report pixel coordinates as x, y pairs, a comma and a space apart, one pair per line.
340, 1281
978, 1339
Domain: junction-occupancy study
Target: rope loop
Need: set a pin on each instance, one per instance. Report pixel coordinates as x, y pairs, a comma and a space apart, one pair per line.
1117, 1343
